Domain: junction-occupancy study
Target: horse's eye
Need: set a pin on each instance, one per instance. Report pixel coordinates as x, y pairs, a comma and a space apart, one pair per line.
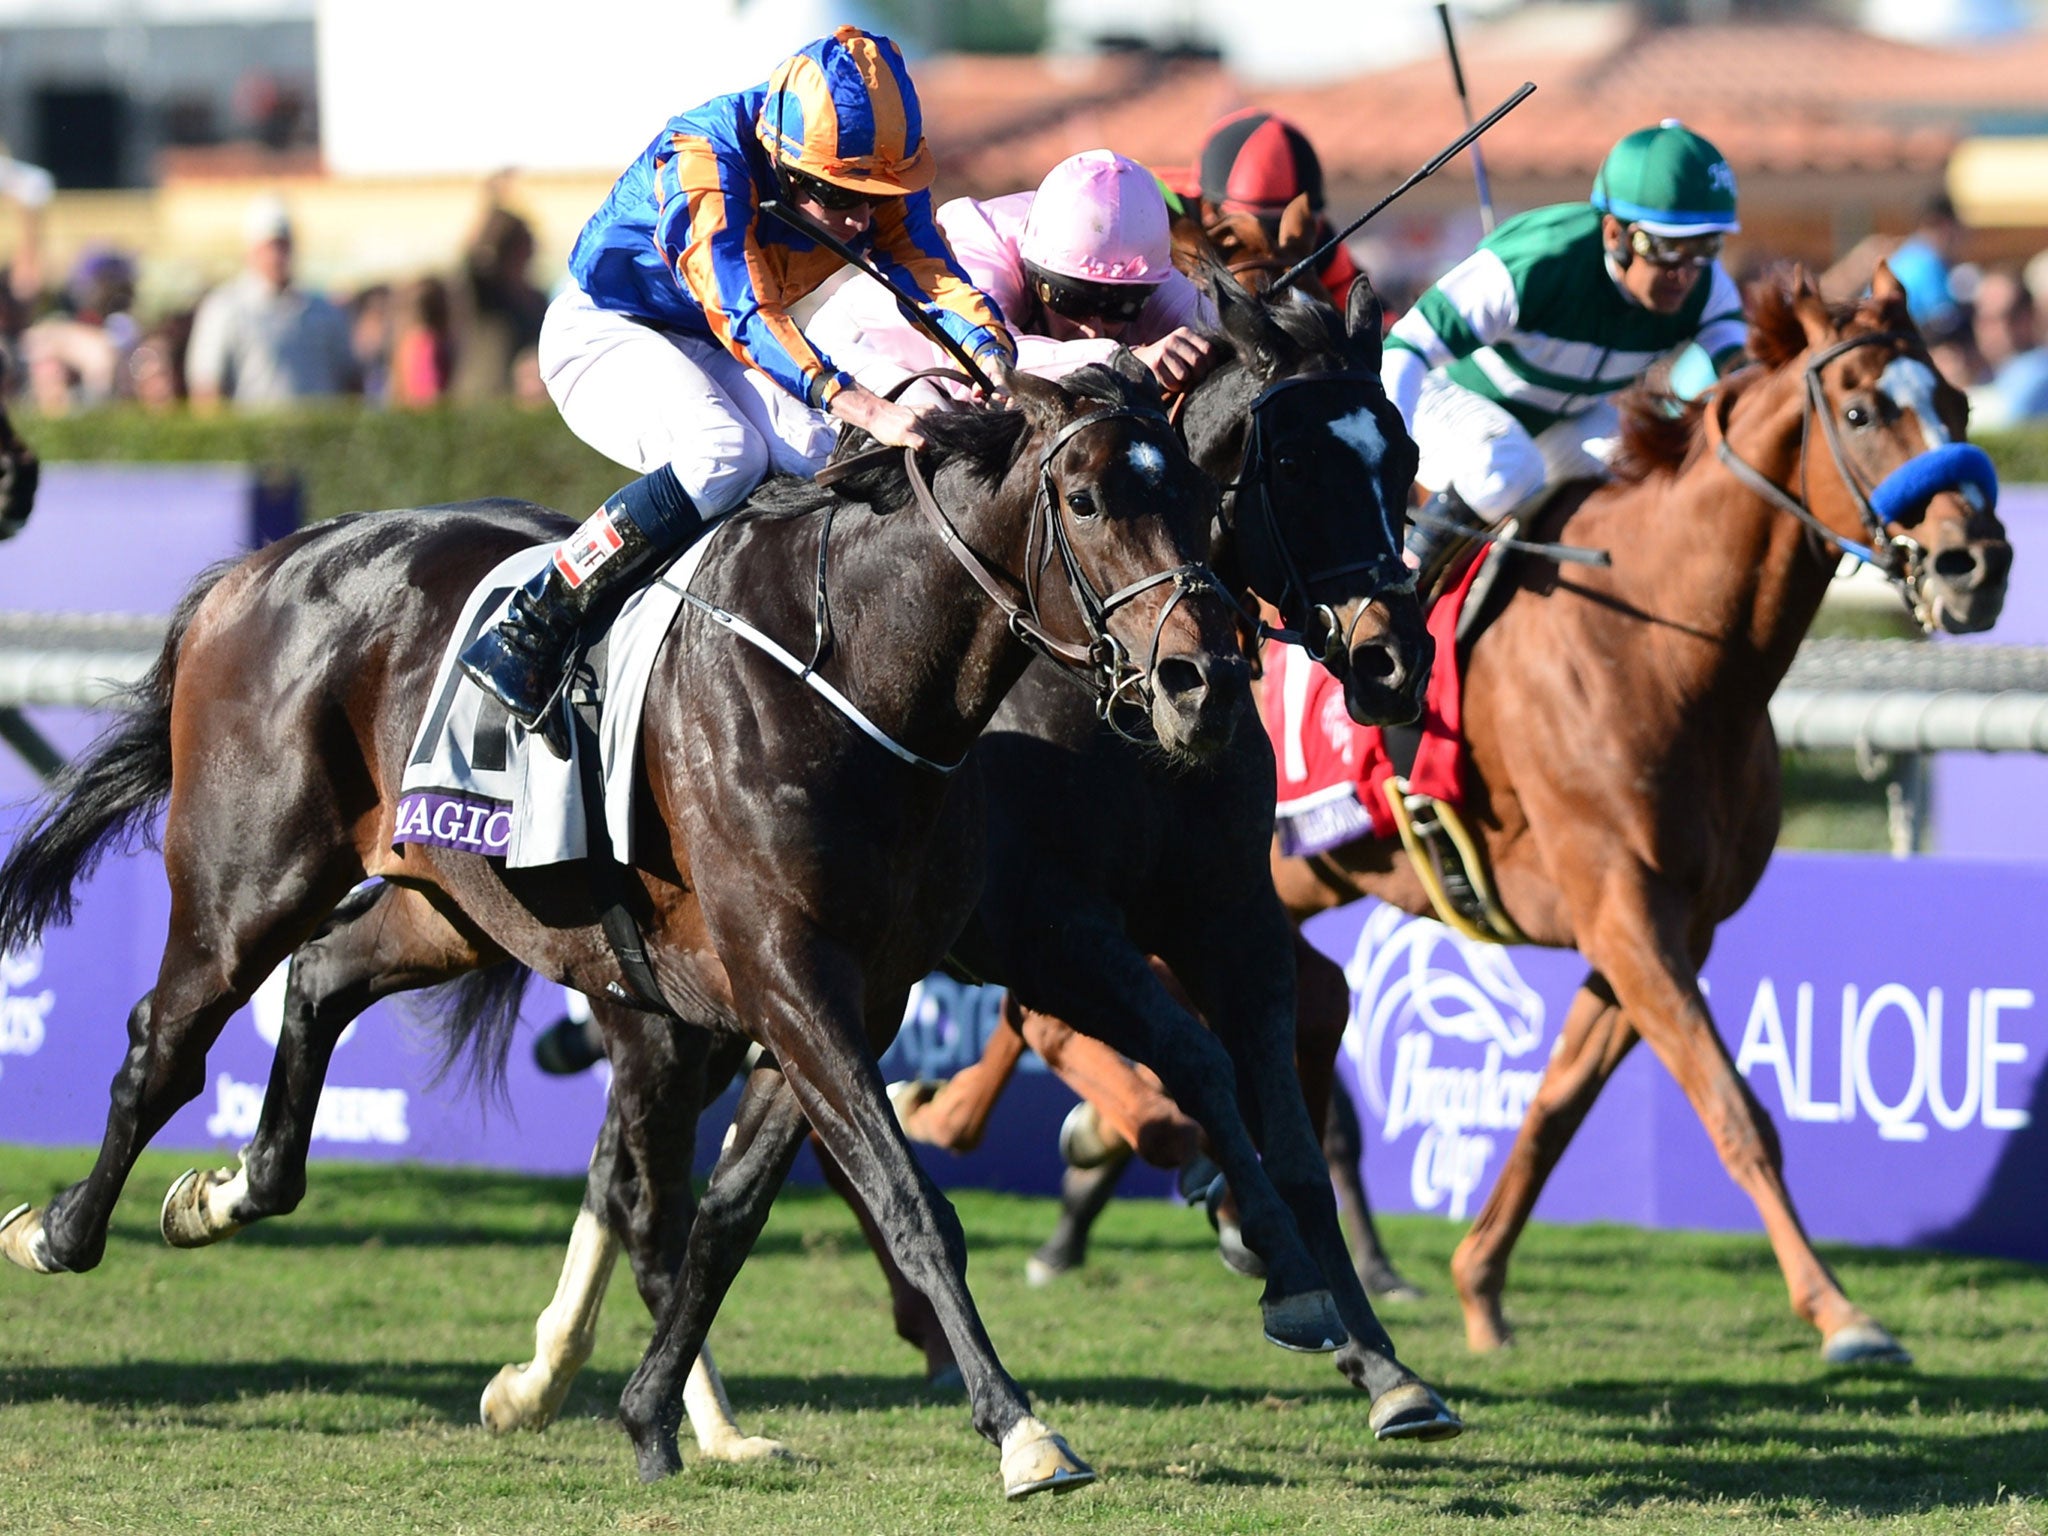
1857, 415
1081, 503
1287, 465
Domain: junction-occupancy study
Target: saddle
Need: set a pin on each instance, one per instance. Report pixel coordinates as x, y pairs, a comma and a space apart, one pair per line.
1449, 860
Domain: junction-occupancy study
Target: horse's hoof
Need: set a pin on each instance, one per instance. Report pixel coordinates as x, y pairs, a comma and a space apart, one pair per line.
1413, 1411
513, 1402
1864, 1343
739, 1449
1307, 1323
1035, 1460
1236, 1257
186, 1219
1040, 1271
908, 1096
947, 1381
1085, 1142
1390, 1285
24, 1242
657, 1457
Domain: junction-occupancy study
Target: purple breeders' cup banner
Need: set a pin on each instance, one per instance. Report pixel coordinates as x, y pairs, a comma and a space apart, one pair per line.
454, 821
1891, 1017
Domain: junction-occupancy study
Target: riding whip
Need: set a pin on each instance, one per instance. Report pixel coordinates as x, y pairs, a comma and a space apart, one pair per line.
1443, 14
797, 219
1469, 136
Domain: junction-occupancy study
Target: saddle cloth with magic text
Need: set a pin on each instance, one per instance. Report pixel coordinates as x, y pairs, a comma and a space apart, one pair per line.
479, 781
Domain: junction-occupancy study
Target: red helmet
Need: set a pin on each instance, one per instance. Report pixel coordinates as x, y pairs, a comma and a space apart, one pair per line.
1254, 162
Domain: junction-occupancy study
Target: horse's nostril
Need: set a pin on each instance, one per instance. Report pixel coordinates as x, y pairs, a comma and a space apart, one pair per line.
1178, 677
1374, 661
1956, 564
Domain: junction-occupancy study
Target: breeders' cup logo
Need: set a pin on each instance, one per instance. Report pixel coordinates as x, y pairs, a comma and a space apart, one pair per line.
24, 1015
1435, 1021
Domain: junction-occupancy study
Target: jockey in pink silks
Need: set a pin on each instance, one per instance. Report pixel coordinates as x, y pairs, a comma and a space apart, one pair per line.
1080, 267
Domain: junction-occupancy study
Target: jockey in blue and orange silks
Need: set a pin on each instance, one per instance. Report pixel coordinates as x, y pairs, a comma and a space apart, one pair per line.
673, 350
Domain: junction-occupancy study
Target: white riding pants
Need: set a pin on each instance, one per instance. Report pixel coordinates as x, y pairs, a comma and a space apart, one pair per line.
1473, 446
646, 398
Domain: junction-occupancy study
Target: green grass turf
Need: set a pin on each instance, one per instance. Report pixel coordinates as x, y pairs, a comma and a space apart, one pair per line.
321, 1375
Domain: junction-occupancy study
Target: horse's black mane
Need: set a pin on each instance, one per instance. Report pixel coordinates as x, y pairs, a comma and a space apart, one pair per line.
987, 441
1246, 320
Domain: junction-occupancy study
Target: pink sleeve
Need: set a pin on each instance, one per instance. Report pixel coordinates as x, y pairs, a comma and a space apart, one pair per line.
1179, 302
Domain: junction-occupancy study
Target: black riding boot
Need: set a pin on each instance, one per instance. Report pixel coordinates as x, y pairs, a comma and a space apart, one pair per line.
522, 660
1436, 529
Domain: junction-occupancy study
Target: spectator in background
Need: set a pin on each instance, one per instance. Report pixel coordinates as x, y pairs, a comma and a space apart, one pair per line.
2008, 335
80, 357
421, 350
29, 188
370, 325
495, 308
156, 368
258, 340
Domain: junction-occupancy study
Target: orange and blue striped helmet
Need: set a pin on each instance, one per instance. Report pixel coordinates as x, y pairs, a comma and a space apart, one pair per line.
843, 110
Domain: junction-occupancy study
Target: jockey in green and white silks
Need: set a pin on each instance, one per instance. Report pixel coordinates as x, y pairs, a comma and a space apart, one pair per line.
1506, 369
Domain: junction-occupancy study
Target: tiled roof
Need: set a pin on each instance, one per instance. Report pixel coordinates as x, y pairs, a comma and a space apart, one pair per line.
1799, 97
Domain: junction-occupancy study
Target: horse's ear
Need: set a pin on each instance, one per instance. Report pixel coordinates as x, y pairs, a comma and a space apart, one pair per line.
1126, 364
1191, 247
1043, 402
1297, 228
1811, 309
1888, 295
1362, 318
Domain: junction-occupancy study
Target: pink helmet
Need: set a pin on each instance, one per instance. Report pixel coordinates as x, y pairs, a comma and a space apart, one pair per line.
1099, 218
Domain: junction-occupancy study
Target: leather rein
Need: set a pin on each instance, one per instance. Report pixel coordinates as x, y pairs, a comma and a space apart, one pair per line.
1897, 557
1104, 662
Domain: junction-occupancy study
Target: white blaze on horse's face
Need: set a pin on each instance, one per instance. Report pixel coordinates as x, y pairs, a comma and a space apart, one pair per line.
1360, 432
1911, 385
1149, 462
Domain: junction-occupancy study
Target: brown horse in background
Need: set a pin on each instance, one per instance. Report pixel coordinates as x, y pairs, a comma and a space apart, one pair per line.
1623, 774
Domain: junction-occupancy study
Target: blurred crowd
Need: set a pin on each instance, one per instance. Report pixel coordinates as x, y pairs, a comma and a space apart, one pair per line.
468, 332
261, 339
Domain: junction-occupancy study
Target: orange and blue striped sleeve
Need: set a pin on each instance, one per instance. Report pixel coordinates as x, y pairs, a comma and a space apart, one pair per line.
706, 228
911, 250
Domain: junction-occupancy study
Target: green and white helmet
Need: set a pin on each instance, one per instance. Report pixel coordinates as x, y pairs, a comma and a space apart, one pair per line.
1670, 181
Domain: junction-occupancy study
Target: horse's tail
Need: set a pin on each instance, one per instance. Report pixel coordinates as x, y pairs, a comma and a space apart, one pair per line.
101, 799
474, 1017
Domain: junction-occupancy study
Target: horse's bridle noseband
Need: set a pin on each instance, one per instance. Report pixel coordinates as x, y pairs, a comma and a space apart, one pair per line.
1899, 557
1116, 679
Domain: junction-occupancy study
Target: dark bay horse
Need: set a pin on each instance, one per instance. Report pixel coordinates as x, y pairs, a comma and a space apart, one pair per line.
1623, 772
1100, 853
795, 879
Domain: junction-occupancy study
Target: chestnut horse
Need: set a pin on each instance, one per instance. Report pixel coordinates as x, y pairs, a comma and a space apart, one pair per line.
794, 880
1622, 771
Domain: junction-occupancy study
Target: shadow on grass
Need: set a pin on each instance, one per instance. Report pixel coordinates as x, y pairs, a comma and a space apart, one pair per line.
1870, 1452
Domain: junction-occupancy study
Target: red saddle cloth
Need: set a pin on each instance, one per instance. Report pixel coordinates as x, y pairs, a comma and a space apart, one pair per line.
1329, 769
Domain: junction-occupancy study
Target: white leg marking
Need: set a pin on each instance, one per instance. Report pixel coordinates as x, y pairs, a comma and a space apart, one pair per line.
710, 1410
528, 1396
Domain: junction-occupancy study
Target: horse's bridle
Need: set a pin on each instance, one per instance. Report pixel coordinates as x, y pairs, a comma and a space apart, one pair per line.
1116, 680
1251, 494
1899, 557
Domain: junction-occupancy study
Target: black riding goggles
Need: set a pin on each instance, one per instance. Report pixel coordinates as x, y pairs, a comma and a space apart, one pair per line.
827, 194
1689, 251
1076, 298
